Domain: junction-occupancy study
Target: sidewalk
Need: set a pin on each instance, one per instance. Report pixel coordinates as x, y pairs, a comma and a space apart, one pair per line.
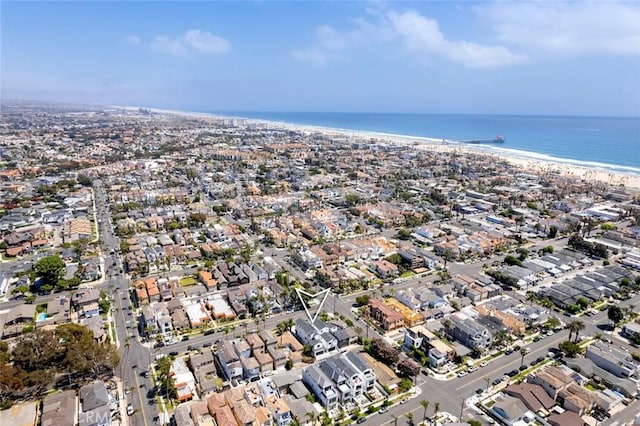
122, 401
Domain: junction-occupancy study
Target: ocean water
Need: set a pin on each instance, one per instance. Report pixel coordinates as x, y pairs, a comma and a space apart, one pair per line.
606, 142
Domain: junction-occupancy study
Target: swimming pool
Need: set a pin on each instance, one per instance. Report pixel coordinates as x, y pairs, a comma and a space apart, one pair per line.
41, 316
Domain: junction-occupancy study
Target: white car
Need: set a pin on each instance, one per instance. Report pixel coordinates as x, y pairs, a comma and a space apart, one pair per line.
484, 364
462, 373
383, 410
472, 369
404, 401
129, 410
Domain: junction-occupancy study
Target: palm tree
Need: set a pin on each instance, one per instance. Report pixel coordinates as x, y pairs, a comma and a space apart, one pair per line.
425, 405
312, 417
436, 408
290, 323
501, 337
523, 352
325, 420
487, 379
395, 420
630, 310
409, 417
576, 327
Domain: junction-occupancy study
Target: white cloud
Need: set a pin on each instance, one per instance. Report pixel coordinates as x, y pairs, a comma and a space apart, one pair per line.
189, 43
168, 45
202, 41
522, 31
567, 28
132, 39
331, 43
421, 36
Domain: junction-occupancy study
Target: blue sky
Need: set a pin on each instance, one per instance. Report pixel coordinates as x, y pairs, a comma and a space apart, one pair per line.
505, 57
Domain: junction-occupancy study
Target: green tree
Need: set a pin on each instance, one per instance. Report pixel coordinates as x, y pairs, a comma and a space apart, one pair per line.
409, 417
583, 302
325, 420
84, 180
403, 234
552, 323
523, 353
38, 350
83, 354
50, 269
511, 260
405, 384
570, 348
615, 314
501, 337
425, 405
576, 327
21, 290
363, 300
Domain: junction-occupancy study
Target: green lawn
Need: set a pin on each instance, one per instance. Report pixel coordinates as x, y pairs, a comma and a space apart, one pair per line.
187, 281
407, 274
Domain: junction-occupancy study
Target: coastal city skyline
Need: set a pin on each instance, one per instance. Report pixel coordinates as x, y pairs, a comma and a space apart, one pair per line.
550, 58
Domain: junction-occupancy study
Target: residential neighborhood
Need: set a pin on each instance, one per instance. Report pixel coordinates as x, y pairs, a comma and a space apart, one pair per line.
193, 270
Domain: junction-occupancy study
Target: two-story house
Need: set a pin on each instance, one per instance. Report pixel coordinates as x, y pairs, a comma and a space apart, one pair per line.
468, 332
613, 360
321, 386
229, 360
279, 410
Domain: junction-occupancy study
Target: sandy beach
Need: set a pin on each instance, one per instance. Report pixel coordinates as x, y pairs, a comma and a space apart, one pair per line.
526, 161
534, 165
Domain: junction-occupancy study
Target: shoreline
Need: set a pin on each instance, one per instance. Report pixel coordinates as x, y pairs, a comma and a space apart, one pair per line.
615, 175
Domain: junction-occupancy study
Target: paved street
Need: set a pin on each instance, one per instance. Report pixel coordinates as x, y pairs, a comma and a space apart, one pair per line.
134, 357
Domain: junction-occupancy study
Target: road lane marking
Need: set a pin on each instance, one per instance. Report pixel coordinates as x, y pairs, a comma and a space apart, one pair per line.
144, 415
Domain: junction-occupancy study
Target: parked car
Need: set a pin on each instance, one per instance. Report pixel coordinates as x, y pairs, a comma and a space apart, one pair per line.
484, 364
361, 420
174, 353
383, 410
404, 401
129, 410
